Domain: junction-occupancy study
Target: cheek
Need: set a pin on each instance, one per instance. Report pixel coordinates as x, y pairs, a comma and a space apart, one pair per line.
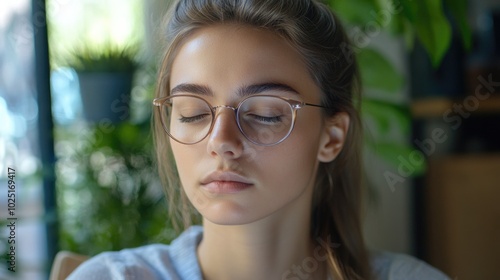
299, 156
185, 158
189, 168
289, 168
294, 164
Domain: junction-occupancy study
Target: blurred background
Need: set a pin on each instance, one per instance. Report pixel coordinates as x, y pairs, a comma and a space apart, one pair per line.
76, 83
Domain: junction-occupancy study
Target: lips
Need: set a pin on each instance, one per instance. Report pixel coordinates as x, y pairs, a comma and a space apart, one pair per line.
225, 182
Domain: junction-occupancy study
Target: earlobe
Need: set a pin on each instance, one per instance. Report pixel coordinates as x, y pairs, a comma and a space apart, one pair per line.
333, 137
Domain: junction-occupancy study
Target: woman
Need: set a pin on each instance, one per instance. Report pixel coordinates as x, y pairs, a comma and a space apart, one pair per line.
257, 114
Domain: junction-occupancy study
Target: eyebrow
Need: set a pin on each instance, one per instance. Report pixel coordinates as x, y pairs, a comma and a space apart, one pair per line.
192, 88
241, 92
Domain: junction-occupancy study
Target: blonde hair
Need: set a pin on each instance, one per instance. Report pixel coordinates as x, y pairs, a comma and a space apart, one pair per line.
319, 37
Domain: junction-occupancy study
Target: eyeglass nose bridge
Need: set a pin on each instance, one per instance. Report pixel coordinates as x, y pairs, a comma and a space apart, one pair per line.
214, 110
224, 107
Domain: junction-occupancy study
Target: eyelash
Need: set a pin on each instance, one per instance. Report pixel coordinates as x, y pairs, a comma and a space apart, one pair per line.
183, 119
275, 119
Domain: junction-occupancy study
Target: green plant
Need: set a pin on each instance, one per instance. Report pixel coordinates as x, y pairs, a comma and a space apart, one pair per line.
385, 110
110, 197
104, 59
424, 20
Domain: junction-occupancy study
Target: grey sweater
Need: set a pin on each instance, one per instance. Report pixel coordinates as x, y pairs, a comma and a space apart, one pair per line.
178, 261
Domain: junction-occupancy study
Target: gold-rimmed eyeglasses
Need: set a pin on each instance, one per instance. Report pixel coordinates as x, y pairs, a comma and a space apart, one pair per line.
264, 120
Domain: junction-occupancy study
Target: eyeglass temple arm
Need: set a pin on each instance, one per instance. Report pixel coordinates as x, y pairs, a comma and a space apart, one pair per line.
315, 105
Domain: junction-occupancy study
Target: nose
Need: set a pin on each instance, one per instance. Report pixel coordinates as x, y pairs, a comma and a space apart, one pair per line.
225, 139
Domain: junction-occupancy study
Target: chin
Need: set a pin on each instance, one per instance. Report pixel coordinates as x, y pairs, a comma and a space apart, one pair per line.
228, 214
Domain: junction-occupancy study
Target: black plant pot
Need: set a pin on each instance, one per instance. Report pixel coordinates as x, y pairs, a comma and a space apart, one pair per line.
105, 96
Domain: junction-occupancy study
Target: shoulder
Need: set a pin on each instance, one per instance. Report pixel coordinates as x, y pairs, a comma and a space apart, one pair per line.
392, 266
157, 261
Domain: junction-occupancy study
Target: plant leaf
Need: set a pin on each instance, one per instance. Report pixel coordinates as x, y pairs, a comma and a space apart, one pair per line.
377, 72
432, 27
458, 9
409, 11
385, 122
354, 12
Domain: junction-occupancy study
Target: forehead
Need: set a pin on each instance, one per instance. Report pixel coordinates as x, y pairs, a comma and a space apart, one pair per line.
227, 56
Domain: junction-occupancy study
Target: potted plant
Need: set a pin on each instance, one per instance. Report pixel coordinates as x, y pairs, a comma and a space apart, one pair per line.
105, 77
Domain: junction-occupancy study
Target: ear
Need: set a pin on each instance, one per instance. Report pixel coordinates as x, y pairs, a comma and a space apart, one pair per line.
333, 137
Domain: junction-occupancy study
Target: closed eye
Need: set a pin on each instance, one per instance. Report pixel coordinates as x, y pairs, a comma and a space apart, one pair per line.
193, 119
275, 119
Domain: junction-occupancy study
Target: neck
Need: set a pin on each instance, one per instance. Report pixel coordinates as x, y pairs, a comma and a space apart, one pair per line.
276, 247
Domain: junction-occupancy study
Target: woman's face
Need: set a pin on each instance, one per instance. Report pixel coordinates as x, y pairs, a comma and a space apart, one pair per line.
228, 179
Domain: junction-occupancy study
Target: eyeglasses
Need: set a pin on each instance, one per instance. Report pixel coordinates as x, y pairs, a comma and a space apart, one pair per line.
263, 119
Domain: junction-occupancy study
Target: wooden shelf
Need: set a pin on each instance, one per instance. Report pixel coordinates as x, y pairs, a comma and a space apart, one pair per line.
437, 107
